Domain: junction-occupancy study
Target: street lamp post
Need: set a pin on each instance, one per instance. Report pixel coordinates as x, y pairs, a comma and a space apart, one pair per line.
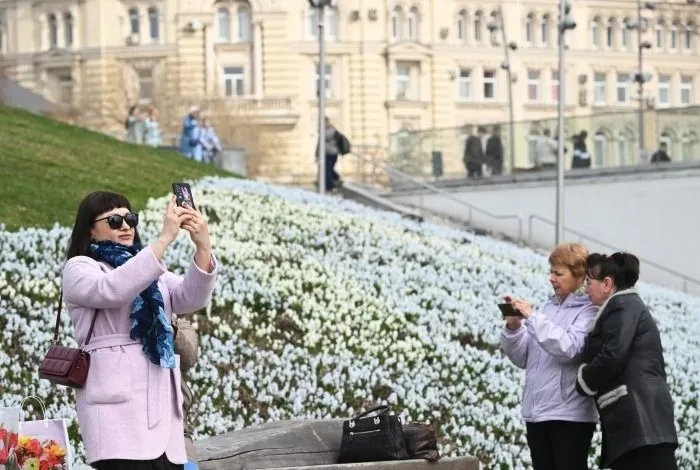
493, 25
320, 6
640, 77
566, 23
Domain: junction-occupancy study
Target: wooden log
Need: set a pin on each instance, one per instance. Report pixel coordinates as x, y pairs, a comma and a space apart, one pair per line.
295, 445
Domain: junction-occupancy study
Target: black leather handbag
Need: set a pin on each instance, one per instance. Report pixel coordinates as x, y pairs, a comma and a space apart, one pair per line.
372, 438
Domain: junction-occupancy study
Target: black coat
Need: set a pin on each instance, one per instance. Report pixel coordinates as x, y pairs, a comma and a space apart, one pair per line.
474, 151
624, 369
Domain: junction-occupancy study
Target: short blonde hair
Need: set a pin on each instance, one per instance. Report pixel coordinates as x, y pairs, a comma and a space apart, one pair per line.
571, 256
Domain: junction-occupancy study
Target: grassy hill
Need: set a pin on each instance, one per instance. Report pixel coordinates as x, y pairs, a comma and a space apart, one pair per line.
46, 167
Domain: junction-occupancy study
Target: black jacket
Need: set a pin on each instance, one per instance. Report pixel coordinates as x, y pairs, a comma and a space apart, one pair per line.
494, 147
624, 369
474, 151
342, 142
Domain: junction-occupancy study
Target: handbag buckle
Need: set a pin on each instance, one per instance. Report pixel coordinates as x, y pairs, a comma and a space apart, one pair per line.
351, 424
377, 420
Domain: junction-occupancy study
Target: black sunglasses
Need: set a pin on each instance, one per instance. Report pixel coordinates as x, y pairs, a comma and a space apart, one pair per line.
116, 221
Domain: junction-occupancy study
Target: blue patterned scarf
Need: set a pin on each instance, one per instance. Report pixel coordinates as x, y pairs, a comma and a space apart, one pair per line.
149, 322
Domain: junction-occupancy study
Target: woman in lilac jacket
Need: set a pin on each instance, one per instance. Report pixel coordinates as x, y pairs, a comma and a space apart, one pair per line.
130, 410
547, 343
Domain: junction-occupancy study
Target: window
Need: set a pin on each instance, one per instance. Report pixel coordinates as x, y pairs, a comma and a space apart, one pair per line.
462, 26
626, 34
622, 149
68, 30
555, 86
489, 84
599, 89
664, 90
623, 85
478, 23
403, 81
530, 29
610, 33
666, 138
686, 91
146, 85
412, 23
674, 38
312, 22
533, 85
688, 147
234, 81
688, 37
396, 24
532, 141
53, 31
223, 20
153, 24
134, 21
65, 88
545, 26
327, 80
465, 84
599, 149
595, 32
659, 28
244, 24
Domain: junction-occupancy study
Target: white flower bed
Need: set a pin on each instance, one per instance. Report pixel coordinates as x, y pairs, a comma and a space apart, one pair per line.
323, 306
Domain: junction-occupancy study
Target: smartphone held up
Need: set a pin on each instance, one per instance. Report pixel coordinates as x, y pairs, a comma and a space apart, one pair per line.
183, 195
507, 310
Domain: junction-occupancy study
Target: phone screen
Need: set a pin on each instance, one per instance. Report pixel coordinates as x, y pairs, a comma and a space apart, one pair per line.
508, 310
183, 194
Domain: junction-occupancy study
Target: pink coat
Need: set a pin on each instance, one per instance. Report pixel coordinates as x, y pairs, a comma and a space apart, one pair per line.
129, 408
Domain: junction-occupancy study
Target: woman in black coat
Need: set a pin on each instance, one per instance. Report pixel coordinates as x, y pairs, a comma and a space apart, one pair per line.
624, 370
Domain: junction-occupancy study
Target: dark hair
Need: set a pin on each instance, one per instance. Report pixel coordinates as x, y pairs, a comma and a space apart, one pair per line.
621, 267
90, 207
131, 112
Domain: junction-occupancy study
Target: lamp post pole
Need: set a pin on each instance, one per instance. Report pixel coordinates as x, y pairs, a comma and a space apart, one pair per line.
321, 90
565, 23
511, 115
640, 79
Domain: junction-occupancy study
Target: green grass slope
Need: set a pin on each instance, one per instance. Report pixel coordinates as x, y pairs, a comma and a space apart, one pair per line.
47, 167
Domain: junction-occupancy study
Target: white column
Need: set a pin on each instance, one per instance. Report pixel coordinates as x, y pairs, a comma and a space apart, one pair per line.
257, 60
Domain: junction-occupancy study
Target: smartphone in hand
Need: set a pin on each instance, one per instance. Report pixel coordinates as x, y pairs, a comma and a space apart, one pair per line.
183, 195
508, 310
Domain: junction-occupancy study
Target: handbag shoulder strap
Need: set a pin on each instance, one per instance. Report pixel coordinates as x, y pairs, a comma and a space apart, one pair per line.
57, 328
380, 410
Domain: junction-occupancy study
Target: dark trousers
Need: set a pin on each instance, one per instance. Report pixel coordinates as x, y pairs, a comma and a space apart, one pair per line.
658, 457
474, 170
496, 164
559, 445
161, 463
332, 176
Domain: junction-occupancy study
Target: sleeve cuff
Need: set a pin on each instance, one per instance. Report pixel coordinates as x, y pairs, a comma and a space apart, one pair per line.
512, 333
582, 383
213, 266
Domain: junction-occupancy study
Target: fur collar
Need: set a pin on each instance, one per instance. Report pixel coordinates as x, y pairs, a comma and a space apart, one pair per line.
605, 304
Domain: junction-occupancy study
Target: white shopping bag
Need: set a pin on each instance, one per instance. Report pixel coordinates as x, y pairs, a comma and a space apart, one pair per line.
9, 428
44, 440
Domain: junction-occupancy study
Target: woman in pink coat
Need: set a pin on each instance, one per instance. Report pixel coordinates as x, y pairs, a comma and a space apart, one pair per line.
130, 410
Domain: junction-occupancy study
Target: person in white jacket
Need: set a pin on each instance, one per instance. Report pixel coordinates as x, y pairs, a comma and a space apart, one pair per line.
546, 151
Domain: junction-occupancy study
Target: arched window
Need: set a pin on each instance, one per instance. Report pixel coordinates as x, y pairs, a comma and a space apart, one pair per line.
689, 146
600, 149
546, 29
462, 26
610, 33
68, 30
478, 25
396, 24
134, 21
153, 24
532, 140
243, 23
413, 24
331, 20
223, 20
659, 29
53, 31
530, 28
626, 33
667, 138
595, 32
623, 149
688, 36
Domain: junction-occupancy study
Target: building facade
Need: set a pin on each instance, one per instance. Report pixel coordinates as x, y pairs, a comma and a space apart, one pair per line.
392, 66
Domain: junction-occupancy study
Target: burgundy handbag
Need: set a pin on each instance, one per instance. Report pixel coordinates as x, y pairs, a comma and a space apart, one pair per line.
63, 365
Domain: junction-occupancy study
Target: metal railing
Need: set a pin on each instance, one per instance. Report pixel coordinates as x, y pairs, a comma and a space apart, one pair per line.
583, 237
471, 209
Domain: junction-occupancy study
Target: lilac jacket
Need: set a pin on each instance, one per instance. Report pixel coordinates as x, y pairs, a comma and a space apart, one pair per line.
548, 346
129, 408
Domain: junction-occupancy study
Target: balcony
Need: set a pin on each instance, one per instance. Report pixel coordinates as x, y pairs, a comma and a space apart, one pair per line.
265, 111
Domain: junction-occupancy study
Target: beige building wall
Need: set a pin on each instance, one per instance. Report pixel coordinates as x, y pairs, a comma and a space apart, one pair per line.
393, 65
